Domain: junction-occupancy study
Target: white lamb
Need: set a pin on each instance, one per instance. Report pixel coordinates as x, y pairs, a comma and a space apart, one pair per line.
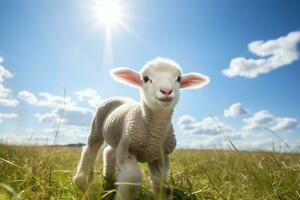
137, 132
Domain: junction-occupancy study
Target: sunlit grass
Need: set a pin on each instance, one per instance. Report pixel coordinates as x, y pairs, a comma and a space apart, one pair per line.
45, 173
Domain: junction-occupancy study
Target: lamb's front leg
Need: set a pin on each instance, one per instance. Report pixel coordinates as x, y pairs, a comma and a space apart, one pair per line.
159, 170
130, 177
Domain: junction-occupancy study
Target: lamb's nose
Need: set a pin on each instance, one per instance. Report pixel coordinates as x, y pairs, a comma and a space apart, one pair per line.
166, 91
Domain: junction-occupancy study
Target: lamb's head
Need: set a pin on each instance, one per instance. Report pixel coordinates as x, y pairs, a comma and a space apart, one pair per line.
160, 81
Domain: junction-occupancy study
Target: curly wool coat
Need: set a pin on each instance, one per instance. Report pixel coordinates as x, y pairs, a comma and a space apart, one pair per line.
141, 132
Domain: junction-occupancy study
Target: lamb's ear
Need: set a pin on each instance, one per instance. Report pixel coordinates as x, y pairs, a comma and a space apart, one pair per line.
193, 80
127, 76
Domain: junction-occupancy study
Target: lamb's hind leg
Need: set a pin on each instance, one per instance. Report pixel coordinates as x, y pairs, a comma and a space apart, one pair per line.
109, 162
86, 164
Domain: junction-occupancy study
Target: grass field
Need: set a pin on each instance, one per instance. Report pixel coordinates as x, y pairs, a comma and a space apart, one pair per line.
28, 172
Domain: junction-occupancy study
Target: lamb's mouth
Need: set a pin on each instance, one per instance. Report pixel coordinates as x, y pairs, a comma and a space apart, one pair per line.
165, 99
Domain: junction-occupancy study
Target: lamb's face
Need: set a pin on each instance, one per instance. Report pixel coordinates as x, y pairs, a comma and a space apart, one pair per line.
160, 81
161, 84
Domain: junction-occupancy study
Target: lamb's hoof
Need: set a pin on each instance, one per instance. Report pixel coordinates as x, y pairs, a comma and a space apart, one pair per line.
81, 181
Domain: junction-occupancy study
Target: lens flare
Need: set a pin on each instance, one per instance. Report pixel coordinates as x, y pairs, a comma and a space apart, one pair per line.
108, 12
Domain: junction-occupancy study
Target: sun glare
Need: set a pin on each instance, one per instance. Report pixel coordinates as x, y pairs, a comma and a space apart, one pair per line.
112, 15
108, 12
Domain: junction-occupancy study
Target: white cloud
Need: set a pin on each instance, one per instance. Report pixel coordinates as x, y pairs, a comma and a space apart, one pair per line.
52, 101
219, 142
203, 142
89, 95
208, 126
69, 131
76, 116
186, 119
6, 98
7, 116
213, 134
75, 120
66, 134
235, 110
29, 130
63, 109
251, 125
274, 54
27, 137
23, 139
4, 92
256, 143
50, 118
4, 73
264, 119
8, 102
28, 97
283, 124
47, 100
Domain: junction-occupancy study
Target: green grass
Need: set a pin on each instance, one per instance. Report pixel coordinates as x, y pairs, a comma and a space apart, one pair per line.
28, 172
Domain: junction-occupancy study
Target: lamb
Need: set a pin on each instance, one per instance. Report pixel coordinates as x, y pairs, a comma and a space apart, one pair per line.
137, 131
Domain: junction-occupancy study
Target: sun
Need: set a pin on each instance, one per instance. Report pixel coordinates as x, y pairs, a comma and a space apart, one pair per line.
108, 12
110, 16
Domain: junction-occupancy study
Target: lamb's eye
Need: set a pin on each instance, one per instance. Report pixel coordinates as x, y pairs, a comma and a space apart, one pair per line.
146, 79
178, 79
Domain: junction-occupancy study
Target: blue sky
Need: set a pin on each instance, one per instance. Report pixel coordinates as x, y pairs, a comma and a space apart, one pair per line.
49, 46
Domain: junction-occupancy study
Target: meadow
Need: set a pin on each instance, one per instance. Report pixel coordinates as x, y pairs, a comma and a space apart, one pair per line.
45, 172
